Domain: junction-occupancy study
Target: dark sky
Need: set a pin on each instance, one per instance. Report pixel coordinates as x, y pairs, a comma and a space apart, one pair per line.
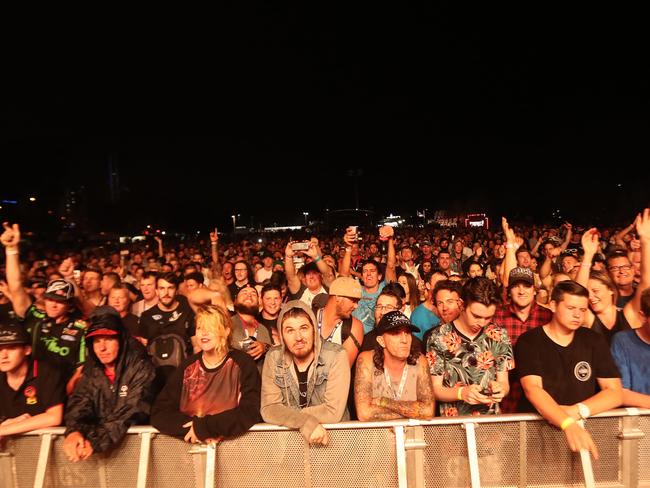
534, 107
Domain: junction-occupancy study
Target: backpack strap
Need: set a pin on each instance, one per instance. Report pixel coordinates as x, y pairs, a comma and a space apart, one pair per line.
346, 331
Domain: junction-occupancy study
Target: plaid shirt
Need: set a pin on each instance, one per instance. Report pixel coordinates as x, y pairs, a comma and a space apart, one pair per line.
507, 318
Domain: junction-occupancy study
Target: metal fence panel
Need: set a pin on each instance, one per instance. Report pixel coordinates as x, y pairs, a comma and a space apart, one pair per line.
445, 457
644, 452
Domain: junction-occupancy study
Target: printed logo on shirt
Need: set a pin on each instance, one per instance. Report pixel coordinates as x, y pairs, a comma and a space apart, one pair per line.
582, 371
124, 390
30, 394
69, 332
156, 317
67, 337
175, 316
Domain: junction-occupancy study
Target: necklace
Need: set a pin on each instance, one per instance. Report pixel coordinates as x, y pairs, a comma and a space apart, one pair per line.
210, 365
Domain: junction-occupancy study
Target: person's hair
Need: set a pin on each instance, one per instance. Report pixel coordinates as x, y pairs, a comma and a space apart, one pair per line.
568, 287
390, 291
114, 276
296, 312
121, 286
414, 293
168, 277
605, 279
452, 286
150, 274
97, 271
278, 278
374, 263
270, 287
249, 270
216, 320
444, 251
480, 290
378, 356
645, 302
522, 249
196, 276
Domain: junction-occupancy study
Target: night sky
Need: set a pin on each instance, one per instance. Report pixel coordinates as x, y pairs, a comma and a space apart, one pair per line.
428, 93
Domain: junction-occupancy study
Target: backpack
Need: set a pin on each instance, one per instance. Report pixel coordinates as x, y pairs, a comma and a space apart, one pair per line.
167, 350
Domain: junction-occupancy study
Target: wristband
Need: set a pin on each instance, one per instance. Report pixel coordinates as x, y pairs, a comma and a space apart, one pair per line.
318, 258
12, 252
511, 246
460, 393
566, 422
383, 402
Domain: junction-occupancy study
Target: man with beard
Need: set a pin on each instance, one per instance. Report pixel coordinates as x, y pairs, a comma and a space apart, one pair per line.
305, 380
335, 321
248, 334
168, 328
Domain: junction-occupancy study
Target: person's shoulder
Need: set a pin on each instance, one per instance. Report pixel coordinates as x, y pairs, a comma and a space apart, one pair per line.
243, 359
536, 333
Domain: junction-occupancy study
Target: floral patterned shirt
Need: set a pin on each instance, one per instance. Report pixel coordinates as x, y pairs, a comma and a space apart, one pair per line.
462, 361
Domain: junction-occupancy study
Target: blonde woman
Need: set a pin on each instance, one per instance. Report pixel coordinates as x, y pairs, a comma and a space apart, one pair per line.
214, 393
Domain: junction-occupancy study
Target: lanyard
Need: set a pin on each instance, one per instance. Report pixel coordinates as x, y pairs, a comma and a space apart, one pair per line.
396, 395
320, 321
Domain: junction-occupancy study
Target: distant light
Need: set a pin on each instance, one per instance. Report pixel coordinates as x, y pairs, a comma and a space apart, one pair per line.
32, 199
163, 232
148, 227
259, 240
198, 231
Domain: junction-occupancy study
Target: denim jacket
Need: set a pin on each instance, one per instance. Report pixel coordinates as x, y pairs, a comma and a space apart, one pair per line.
327, 387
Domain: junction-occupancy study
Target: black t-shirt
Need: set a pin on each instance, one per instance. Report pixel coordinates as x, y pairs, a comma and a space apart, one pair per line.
270, 324
7, 313
61, 345
568, 373
43, 388
180, 321
131, 324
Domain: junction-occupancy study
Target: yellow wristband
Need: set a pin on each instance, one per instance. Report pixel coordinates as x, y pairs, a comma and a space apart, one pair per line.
566, 422
460, 393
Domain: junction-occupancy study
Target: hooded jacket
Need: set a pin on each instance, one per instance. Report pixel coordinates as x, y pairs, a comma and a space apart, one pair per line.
102, 412
327, 387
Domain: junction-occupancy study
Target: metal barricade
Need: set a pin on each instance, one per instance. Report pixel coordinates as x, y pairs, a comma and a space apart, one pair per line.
496, 451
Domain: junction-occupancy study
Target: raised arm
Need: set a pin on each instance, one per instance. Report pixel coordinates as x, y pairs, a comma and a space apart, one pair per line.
349, 239
315, 253
618, 237
510, 259
386, 233
567, 237
633, 307
10, 239
290, 269
214, 252
161, 251
590, 244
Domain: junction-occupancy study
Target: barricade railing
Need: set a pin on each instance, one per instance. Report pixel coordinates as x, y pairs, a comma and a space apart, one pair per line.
505, 451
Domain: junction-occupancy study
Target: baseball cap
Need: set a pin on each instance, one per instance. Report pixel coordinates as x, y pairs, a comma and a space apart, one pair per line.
425, 243
395, 320
13, 333
521, 275
345, 286
105, 324
61, 290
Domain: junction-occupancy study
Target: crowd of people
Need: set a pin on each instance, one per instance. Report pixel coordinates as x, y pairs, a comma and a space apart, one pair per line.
204, 340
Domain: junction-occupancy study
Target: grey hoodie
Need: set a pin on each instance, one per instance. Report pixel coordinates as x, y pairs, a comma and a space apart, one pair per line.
327, 388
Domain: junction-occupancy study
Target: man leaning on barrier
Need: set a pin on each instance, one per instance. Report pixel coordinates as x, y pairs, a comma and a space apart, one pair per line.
393, 380
306, 380
566, 370
114, 392
32, 393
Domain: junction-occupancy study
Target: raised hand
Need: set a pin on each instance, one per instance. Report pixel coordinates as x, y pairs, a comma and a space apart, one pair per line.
11, 235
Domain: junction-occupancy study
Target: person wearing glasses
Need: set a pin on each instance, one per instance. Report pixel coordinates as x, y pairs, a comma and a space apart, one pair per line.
603, 315
469, 357
392, 381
